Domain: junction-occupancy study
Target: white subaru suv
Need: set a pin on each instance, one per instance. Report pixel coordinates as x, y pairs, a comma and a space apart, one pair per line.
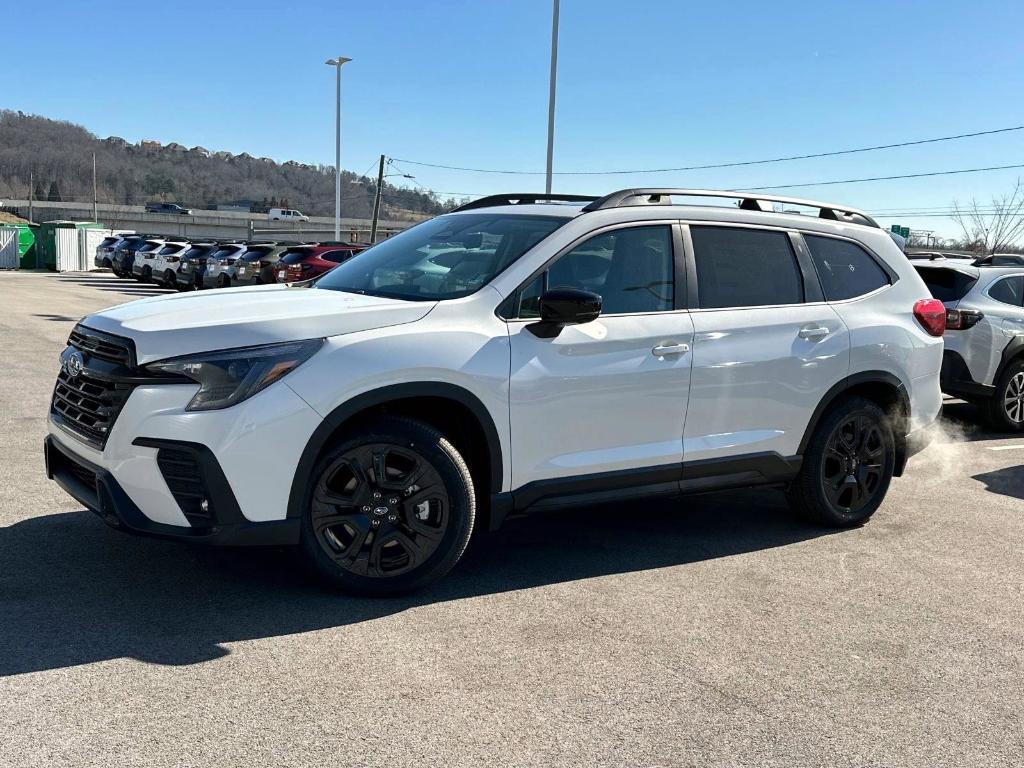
521, 353
983, 360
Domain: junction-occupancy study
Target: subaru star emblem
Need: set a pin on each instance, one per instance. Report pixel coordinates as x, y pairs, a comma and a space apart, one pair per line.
74, 363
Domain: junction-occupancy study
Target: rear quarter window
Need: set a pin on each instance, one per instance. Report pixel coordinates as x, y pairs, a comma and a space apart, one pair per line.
844, 269
946, 284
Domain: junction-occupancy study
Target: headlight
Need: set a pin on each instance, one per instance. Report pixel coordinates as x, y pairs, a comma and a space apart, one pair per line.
227, 378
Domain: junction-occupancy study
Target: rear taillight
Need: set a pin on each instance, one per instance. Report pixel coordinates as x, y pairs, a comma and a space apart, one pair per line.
962, 319
931, 314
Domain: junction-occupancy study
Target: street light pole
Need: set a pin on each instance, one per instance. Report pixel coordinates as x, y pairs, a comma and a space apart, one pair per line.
337, 63
551, 93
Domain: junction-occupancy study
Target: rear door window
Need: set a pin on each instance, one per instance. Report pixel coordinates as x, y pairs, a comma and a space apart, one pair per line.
336, 256
739, 267
845, 270
1008, 290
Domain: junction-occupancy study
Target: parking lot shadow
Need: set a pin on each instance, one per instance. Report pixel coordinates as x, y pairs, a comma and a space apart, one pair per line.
1008, 481
73, 591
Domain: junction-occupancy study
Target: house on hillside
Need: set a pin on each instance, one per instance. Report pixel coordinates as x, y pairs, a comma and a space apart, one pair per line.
267, 160
115, 141
175, 147
223, 155
201, 151
149, 144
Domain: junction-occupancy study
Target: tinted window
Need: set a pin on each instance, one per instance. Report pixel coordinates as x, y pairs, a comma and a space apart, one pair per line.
336, 256
295, 257
745, 268
631, 269
845, 269
946, 284
443, 258
1008, 290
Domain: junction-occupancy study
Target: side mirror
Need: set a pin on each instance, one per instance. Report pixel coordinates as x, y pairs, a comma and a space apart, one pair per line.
564, 306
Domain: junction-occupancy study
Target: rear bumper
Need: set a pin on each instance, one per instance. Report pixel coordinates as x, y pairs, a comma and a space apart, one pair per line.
916, 442
956, 378
97, 490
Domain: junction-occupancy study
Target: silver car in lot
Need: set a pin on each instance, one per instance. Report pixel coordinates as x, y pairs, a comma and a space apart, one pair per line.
983, 360
222, 265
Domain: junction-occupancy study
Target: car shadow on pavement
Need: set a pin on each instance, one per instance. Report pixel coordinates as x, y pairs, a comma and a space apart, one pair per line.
73, 591
1008, 481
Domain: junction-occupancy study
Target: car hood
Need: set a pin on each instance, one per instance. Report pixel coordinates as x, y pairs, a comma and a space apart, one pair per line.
186, 323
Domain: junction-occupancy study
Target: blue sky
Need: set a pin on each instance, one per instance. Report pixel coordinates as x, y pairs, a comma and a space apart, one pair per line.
641, 85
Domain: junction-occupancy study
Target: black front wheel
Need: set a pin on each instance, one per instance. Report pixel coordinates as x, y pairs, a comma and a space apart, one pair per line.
389, 509
847, 467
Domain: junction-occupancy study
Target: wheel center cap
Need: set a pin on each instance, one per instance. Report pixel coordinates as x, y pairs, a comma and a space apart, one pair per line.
380, 511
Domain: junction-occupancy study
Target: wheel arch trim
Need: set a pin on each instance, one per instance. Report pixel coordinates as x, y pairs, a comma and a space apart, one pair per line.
381, 396
844, 385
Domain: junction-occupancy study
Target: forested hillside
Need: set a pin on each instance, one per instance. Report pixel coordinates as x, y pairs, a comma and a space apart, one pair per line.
57, 156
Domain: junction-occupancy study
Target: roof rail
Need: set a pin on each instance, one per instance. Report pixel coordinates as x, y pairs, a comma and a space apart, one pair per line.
748, 201
524, 198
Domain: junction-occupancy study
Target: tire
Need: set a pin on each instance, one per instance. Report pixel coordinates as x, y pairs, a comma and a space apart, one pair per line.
169, 280
225, 281
853, 441
385, 538
147, 275
1006, 408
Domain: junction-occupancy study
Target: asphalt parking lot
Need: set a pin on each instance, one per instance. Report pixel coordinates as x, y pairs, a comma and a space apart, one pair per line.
711, 630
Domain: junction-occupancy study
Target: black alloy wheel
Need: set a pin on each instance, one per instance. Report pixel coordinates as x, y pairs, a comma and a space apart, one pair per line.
847, 467
390, 509
852, 464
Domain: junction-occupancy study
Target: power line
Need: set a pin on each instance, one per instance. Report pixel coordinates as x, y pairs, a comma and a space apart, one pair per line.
788, 158
881, 178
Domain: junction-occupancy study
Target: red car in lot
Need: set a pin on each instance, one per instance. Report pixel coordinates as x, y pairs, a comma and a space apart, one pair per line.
304, 262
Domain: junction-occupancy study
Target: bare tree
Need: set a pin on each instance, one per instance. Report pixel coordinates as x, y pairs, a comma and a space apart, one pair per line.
994, 228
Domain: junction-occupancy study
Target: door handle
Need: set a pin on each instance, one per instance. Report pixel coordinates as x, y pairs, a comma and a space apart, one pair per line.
670, 349
813, 333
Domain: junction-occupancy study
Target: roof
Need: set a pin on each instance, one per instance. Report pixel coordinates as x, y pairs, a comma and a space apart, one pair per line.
662, 197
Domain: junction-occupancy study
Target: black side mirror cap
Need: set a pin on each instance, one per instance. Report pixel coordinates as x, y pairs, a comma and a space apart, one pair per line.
560, 307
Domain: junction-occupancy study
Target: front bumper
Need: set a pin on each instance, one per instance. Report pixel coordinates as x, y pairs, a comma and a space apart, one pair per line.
159, 462
97, 490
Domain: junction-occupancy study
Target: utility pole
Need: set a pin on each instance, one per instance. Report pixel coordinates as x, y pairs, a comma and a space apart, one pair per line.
376, 201
551, 93
31, 193
95, 212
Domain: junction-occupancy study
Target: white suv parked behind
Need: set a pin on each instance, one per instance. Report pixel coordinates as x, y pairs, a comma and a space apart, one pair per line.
520, 353
983, 360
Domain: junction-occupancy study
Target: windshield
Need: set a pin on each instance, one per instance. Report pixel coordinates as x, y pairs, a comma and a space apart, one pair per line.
444, 258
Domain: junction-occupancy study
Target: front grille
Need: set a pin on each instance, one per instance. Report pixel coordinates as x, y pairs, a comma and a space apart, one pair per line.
88, 404
104, 346
82, 474
185, 480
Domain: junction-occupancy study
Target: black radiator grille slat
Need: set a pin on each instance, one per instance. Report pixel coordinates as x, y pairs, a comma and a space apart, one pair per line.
87, 404
103, 347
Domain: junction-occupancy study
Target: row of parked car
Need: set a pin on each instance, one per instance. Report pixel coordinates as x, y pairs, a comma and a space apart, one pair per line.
193, 265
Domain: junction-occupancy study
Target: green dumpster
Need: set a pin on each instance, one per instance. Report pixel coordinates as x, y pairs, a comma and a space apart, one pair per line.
17, 246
